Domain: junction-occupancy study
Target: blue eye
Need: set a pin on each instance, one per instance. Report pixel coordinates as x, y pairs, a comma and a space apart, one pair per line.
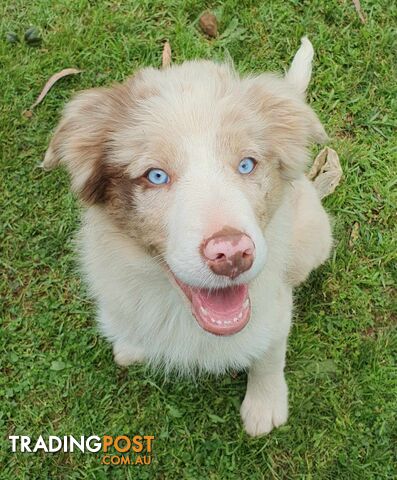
157, 176
246, 165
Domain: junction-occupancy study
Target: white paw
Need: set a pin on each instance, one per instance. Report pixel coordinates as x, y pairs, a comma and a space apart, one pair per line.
262, 411
125, 356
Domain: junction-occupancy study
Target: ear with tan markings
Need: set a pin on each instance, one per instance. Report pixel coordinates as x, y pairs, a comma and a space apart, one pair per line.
81, 140
289, 124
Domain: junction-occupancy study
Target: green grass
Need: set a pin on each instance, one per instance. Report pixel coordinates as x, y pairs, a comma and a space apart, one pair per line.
341, 361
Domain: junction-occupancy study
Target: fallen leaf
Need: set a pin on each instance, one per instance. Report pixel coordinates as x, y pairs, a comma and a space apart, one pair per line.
359, 10
14, 357
323, 368
369, 332
51, 81
12, 37
354, 234
166, 56
232, 33
209, 24
174, 412
216, 418
27, 113
57, 365
326, 172
32, 37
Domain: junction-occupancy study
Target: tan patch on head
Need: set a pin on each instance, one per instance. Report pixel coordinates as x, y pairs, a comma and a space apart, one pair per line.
81, 139
128, 205
242, 133
267, 203
289, 125
85, 143
108, 184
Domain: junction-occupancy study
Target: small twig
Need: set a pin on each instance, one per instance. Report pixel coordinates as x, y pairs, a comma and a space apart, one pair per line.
359, 10
49, 84
166, 56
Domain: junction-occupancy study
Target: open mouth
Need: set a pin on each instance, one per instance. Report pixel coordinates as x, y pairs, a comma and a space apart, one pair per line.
225, 311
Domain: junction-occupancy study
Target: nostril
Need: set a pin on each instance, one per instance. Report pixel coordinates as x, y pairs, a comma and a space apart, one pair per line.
229, 255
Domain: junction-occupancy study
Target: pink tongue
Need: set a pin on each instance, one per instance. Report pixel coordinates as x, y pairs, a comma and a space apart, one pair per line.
222, 312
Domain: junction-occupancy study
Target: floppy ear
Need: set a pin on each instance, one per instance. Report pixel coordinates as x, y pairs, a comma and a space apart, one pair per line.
81, 140
289, 124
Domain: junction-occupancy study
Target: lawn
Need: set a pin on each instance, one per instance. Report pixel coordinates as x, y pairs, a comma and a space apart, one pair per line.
57, 373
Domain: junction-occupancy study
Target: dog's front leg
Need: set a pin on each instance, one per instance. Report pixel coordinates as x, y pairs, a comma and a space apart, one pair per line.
125, 349
265, 405
126, 354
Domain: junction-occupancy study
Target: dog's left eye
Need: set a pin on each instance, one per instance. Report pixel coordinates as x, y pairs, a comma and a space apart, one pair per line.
246, 165
157, 176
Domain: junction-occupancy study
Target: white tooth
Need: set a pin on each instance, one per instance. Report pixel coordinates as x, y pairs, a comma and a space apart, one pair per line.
212, 320
246, 303
204, 310
219, 322
240, 315
228, 322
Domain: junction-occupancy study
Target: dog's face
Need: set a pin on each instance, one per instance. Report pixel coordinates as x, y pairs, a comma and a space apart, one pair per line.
191, 163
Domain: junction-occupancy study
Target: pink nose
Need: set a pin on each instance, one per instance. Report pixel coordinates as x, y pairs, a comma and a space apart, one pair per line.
229, 252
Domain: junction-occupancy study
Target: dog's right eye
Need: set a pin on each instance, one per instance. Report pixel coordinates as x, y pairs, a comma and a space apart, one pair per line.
246, 165
157, 176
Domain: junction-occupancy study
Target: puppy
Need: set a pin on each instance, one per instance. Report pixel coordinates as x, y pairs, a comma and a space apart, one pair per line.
198, 218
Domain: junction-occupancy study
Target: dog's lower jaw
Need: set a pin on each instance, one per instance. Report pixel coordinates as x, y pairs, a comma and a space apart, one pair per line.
265, 405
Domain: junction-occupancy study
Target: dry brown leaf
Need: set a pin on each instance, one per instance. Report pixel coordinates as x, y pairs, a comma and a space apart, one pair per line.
354, 234
359, 10
209, 24
326, 172
166, 56
27, 113
50, 82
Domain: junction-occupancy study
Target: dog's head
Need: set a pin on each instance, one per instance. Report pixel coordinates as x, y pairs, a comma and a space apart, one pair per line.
191, 163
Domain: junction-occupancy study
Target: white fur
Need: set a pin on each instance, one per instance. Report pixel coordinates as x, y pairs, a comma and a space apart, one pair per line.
141, 310
300, 70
